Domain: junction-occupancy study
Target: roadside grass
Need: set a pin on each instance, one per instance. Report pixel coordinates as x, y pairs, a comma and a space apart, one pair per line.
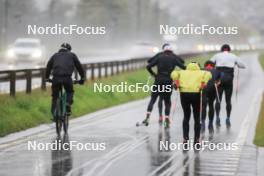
26, 111
259, 136
261, 60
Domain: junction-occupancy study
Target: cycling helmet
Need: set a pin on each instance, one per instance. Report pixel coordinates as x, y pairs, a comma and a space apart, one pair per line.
226, 47
66, 46
166, 47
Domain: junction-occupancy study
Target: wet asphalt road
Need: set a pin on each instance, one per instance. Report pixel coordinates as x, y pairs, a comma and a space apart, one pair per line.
132, 150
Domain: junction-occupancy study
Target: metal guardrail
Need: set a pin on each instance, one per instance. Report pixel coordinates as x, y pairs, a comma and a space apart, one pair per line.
103, 69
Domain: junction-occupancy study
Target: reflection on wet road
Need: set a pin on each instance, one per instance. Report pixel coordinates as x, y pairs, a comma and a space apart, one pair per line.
134, 150
61, 160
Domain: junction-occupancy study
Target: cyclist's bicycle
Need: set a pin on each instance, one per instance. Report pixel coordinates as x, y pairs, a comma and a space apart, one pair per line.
60, 115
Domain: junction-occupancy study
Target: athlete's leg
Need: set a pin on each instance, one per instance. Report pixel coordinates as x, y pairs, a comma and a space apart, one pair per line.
204, 106
211, 98
167, 101
204, 112
218, 104
160, 104
196, 114
186, 106
68, 86
55, 88
154, 96
228, 96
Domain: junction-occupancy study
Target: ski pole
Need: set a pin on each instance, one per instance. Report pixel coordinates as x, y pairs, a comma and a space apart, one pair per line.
237, 83
201, 103
217, 93
174, 104
148, 80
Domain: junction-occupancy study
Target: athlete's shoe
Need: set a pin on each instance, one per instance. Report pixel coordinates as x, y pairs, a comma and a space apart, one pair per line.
197, 144
68, 110
160, 120
186, 145
167, 123
203, 127
146, 122
217, 122
228, 124
211, 128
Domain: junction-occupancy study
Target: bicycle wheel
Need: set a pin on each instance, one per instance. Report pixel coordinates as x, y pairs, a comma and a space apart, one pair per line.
58, 117
58, 126
66, 124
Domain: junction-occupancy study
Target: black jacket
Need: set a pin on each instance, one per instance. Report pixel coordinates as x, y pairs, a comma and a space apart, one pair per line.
62, 64
166, 62
216, 76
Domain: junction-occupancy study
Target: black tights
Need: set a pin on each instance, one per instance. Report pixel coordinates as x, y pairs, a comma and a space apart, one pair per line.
208, 100
188, 101
164, 96
226, 87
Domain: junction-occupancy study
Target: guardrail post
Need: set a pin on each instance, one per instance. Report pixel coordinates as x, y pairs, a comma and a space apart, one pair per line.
92, 71
28, 81
12, 76
112, 68
137, 64
43, 79
85, 71
106, 69
133, 64
123, 66
117, 67
99, 70
129, 65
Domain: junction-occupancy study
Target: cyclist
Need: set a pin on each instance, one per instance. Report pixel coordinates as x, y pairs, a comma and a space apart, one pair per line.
161, 100
165, 61
190, 83
209, 95
62, 65
225, 63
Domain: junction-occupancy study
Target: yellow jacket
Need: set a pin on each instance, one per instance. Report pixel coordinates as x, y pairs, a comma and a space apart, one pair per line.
190, 80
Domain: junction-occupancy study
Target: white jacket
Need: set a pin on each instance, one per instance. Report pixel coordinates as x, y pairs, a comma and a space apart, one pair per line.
227, 59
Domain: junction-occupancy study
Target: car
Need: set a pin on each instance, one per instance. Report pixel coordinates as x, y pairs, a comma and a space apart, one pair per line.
24, 50
143, 49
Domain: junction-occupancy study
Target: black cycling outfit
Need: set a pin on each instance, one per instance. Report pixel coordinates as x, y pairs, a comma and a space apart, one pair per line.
62, 65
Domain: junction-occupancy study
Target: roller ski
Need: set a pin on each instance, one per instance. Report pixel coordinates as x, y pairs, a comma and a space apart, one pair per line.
144, 123
217, 122
228, 123
161, 120
167, 123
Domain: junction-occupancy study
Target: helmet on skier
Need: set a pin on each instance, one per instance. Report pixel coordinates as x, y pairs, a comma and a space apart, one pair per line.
166, 47
66, 46
209, 65
226, 47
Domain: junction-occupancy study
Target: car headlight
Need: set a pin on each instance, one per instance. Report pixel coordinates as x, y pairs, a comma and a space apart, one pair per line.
37, 54
155, 49
10, 53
